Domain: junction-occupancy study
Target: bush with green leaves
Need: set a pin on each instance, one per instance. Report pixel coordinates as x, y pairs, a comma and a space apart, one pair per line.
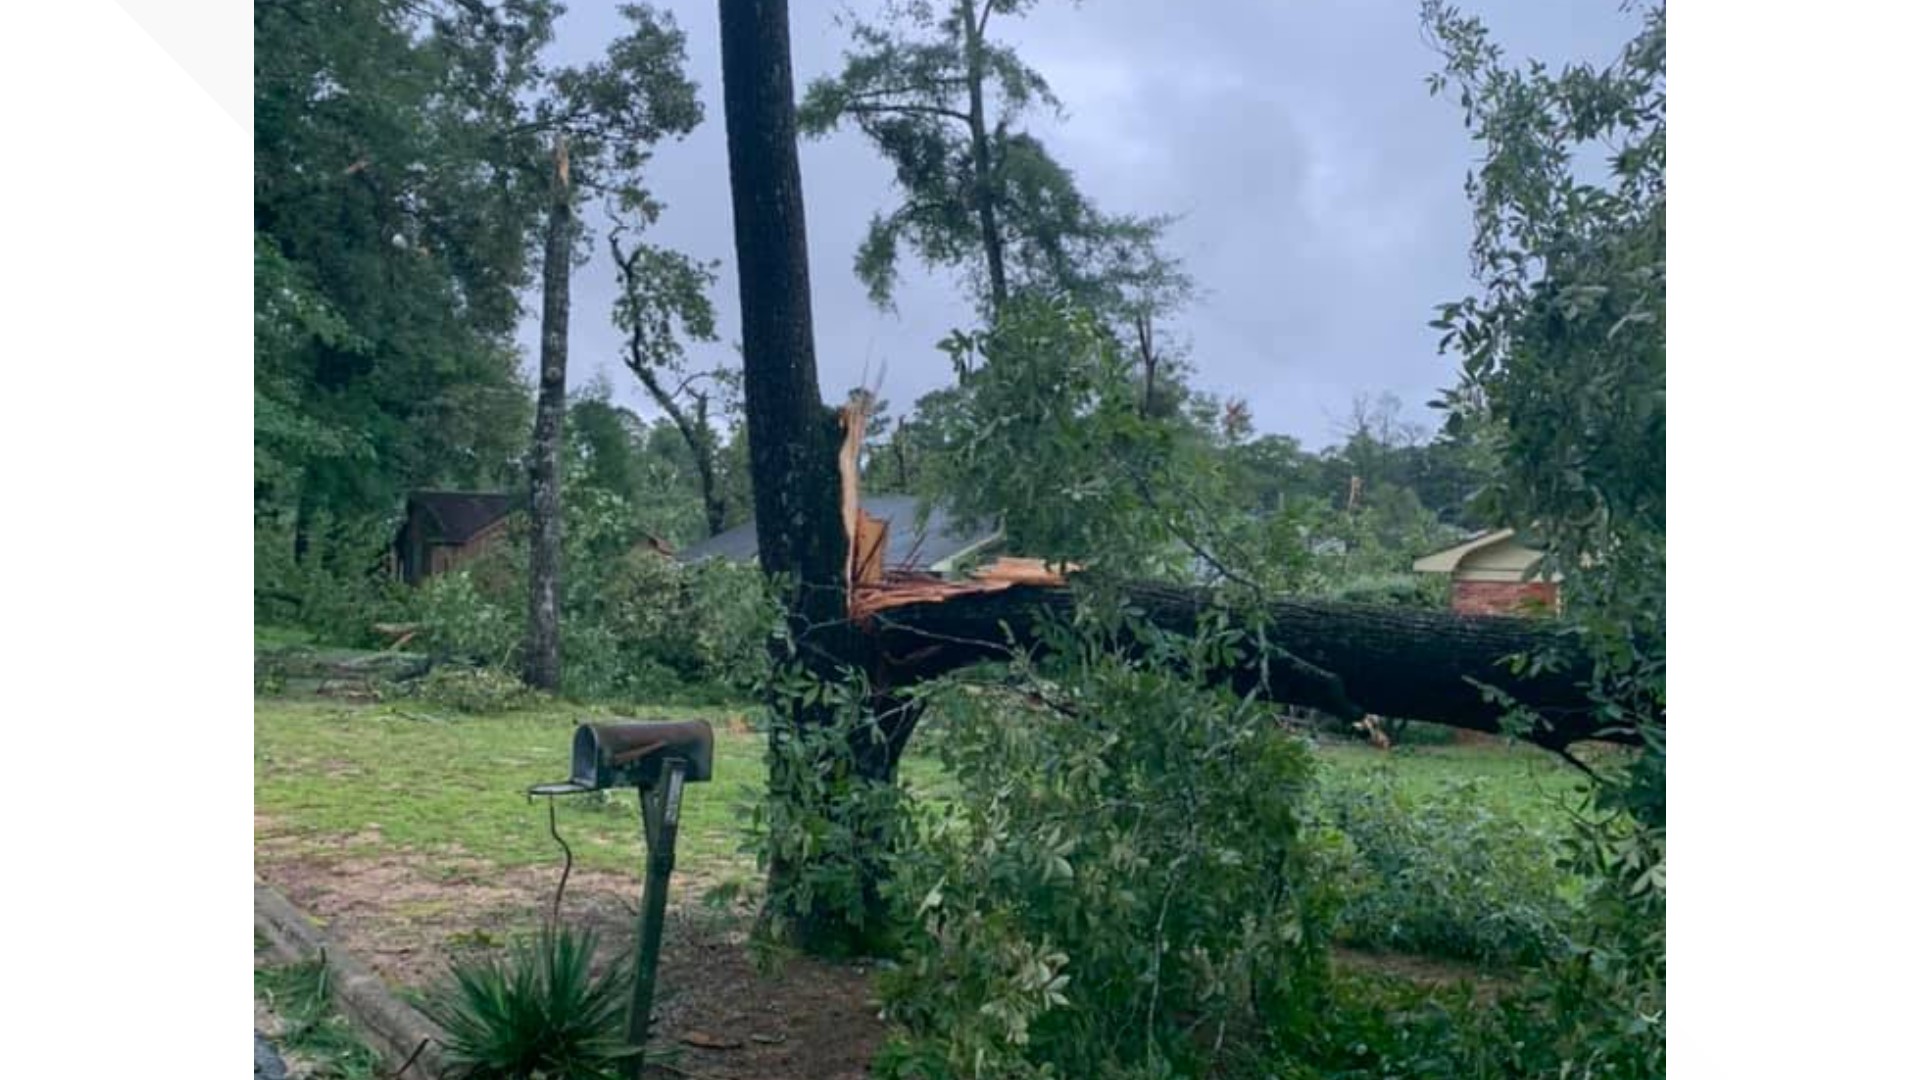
634, 624
479, 691
338, 590
1121, 886
539, 1011
1563, 360
828, 829
1443, 874
461, 619
1374, 1027
1394, 590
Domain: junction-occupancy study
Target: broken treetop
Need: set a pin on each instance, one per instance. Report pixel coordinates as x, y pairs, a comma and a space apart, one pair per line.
941, 541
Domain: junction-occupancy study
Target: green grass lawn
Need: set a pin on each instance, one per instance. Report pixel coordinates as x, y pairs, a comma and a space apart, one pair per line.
280, 637
1518, 781
366, 779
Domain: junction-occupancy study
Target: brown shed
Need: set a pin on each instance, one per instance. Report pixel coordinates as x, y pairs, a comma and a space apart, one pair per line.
444, 529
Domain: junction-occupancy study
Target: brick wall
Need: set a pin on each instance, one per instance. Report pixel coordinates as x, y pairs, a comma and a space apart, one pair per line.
1498, 598
1501, 597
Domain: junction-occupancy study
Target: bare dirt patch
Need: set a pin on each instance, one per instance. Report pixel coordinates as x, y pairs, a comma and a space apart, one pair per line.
408, 917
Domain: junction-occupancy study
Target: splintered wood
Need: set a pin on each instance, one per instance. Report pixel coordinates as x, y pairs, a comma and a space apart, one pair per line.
871, 585
853, 420
898, 588
868, 550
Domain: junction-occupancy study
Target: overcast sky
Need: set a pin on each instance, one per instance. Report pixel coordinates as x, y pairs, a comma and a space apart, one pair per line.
1319, 189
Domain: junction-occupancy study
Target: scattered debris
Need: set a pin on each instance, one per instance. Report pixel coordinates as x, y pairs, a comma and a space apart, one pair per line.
706, 1041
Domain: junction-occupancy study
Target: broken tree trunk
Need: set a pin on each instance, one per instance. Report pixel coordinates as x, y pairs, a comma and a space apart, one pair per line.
1350, 660
543, 556
793, 440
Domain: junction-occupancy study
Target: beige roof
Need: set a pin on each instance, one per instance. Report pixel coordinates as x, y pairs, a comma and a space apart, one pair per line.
1447, 560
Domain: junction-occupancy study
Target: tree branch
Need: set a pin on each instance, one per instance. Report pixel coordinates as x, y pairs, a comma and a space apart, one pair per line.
860, 109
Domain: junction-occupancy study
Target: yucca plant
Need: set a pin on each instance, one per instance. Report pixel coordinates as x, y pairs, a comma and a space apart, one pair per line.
538, 1013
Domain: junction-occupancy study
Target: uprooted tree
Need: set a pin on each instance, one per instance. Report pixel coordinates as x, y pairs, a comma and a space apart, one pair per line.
876, 639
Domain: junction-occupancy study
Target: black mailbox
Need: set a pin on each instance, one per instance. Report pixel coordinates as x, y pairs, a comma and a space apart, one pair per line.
657, 757
634, 754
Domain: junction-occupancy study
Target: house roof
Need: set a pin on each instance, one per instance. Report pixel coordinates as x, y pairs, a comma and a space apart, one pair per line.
940, 540
455, 517
1447, 560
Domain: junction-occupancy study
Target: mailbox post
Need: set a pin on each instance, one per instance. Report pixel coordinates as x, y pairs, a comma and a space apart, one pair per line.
659, 759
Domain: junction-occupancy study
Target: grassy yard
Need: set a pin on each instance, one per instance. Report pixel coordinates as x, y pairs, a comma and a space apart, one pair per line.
367, 779
1518, 781
345, 779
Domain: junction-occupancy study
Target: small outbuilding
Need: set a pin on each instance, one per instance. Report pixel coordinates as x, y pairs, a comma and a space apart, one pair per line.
1493, 573
446, 529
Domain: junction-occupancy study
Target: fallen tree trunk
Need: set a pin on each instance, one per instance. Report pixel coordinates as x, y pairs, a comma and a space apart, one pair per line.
1350, 660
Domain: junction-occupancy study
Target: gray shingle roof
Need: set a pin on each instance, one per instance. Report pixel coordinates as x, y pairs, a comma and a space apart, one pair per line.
907, 547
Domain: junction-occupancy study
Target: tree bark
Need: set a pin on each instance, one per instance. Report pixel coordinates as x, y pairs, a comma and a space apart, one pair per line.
793, 438
696, 431
983, 190
1149, 360
543, 563
1346, 659
1351, 660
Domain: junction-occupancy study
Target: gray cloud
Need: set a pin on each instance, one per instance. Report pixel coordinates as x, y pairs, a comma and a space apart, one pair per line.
1318, 184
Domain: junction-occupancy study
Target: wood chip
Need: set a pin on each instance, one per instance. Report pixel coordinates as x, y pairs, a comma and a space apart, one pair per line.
710, 1042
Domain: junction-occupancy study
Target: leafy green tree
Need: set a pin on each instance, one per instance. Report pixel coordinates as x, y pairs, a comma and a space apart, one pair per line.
602, 119
604, 443
944, 103
662, 303
389, 252
1047, 437
1564, 360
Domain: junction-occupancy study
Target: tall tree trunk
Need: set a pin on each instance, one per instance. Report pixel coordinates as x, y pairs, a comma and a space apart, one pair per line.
712, 498
696, 428
983, 189
1351, 660
901, 479
543, 564
696, 431
1149, 360
303, 512
793, 441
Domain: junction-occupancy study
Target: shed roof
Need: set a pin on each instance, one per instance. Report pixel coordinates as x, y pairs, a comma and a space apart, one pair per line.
455, 517
1447, 560
926, 547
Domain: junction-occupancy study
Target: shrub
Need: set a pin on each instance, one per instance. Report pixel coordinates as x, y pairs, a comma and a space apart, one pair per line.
538, 1011
1380, 1028
1396, 590
337, 591
1121, 884
1443, 874
633, 624
458, 619
479, 691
